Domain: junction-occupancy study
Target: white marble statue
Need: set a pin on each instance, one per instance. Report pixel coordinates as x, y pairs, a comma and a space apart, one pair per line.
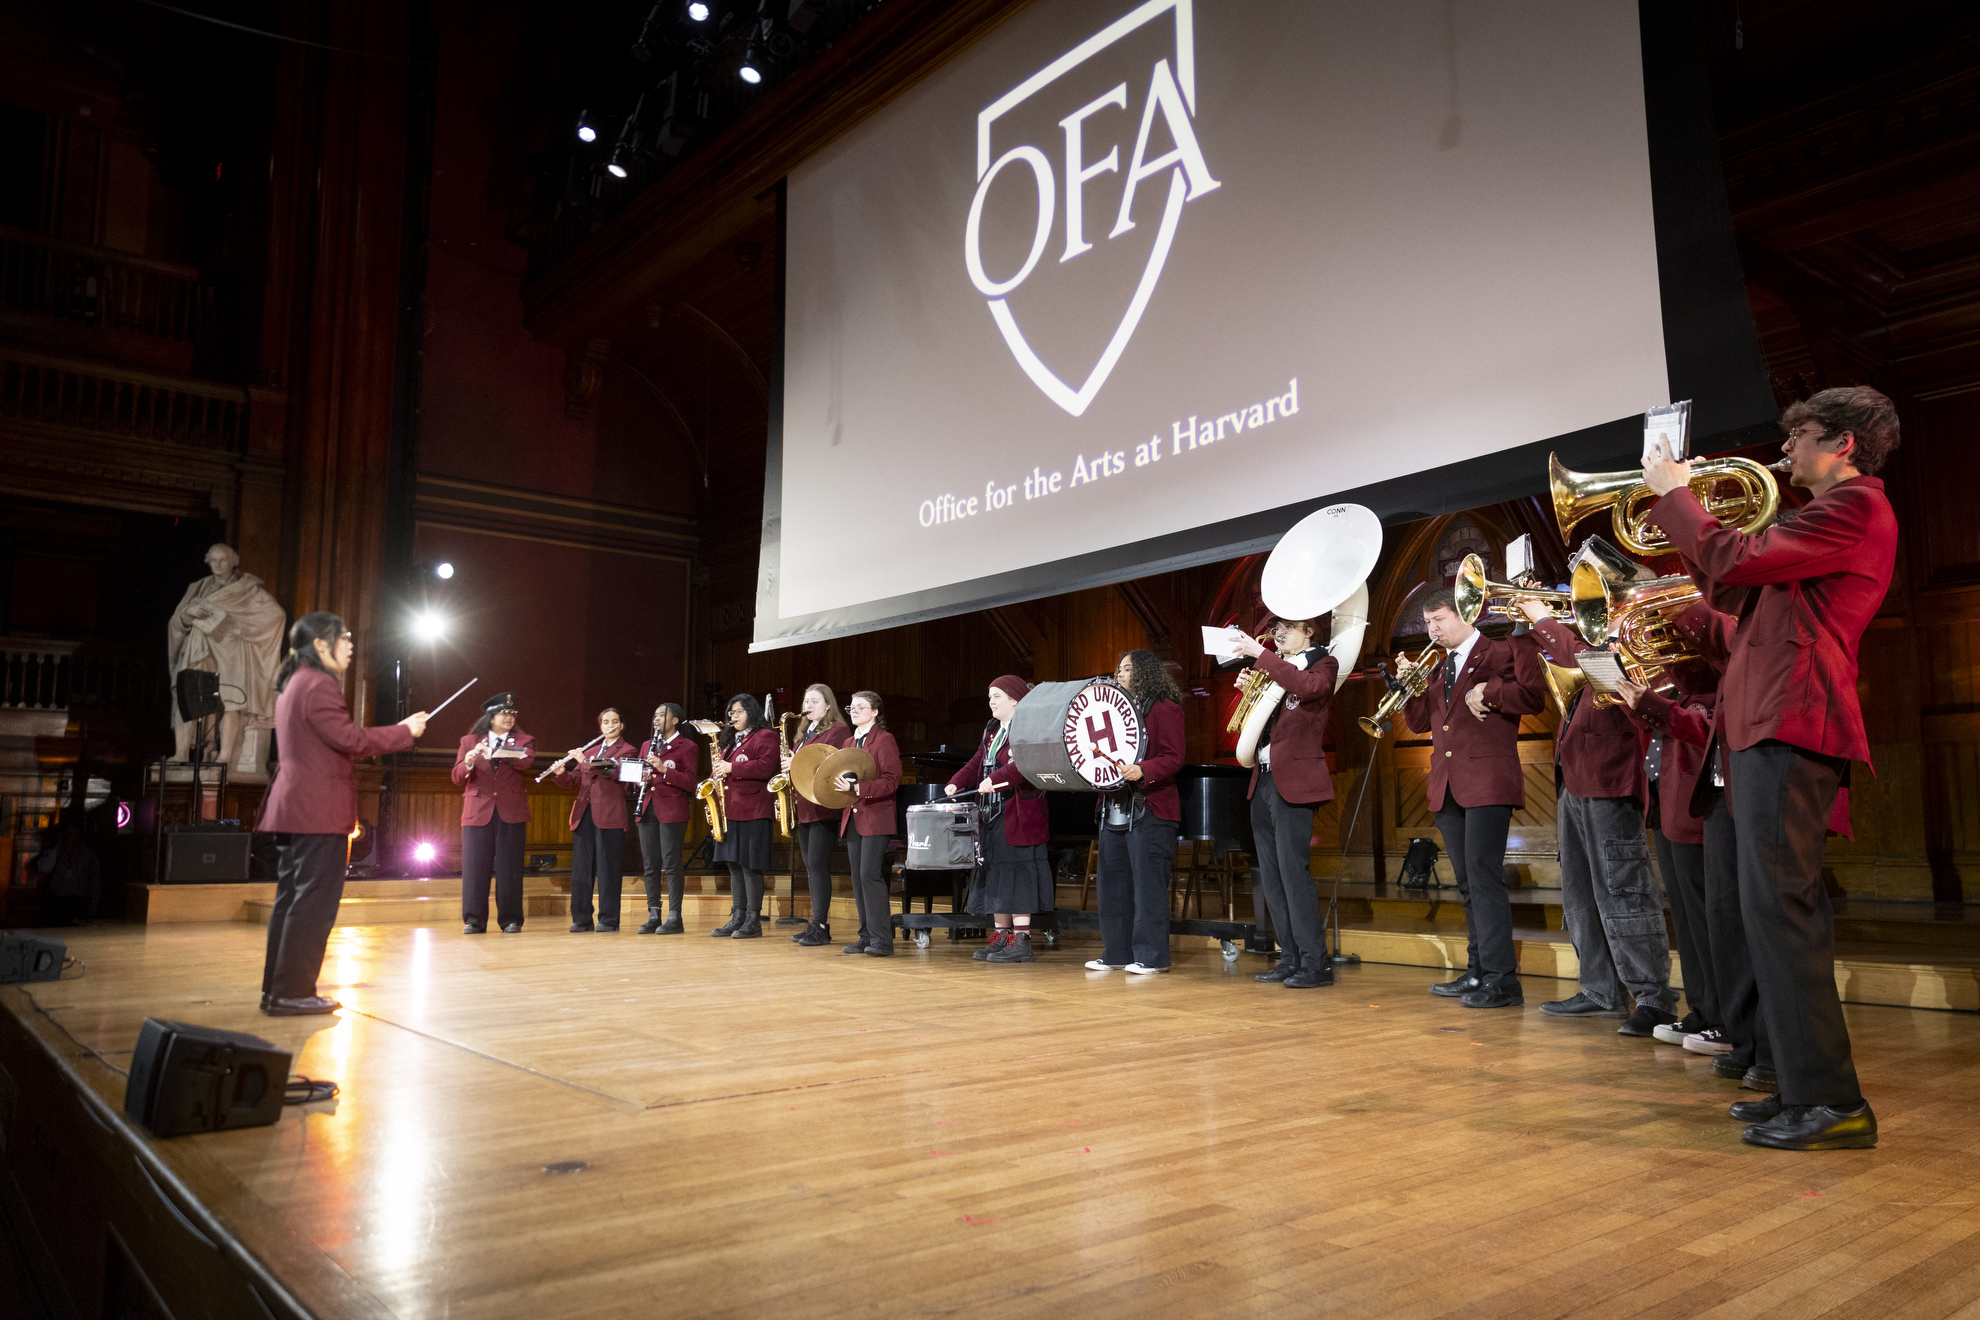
228, 624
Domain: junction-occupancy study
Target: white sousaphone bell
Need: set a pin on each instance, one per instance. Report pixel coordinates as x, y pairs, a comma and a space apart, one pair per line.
1320, 566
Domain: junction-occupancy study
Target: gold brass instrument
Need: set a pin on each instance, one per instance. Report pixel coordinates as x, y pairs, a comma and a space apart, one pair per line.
1476, 595
1408, 684
1641, 618
1562, 684
1752, 509
780, 786
714, 794
1251, 685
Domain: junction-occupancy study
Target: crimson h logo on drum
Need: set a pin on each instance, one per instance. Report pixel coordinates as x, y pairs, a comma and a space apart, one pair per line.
1003, 231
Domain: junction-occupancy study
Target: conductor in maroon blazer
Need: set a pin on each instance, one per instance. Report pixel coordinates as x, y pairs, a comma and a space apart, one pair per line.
1471, 710
1610, 900
1288, 781
869, 827
490, 766
311, 806
1803, 591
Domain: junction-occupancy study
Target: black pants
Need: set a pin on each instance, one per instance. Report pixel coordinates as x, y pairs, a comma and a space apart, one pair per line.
815, 842
309, 883
745, 890
1475, 839
1683, 867
595, 858
1781, 796
1282, 834
1725, 935
495, 848
869, 869
1133, 889
660, 854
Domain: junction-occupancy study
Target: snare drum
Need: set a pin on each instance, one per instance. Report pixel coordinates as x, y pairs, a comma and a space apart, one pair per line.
941, 836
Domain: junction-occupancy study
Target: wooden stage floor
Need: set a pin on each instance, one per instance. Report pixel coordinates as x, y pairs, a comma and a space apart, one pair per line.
772, 1131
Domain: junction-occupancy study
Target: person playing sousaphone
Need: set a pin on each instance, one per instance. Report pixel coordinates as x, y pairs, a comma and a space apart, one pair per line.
1016, 878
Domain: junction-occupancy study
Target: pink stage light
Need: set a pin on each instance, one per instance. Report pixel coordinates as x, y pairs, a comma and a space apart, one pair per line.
425, 853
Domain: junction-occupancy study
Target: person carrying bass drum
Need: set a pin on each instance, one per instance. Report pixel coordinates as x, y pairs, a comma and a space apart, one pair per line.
1016, 877
1139, 826
818, 827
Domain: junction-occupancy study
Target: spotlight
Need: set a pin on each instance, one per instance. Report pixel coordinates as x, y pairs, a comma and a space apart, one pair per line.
425, 853
443, 571
587, 127
429, 626
616, 167
698, 12
755, 57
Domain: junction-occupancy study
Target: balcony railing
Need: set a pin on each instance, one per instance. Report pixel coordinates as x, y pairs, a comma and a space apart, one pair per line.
44, 674
138, 405
46, 277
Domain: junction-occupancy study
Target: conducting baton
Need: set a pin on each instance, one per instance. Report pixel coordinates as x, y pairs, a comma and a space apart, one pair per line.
443, 705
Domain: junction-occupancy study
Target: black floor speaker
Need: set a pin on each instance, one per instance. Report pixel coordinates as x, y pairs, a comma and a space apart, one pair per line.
200, 1079
30, 958
197, 856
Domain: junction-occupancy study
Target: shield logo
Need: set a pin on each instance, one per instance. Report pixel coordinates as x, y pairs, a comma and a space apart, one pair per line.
1148, 70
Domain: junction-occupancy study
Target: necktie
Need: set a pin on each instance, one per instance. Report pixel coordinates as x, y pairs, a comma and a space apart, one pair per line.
1450, 676
1653, 761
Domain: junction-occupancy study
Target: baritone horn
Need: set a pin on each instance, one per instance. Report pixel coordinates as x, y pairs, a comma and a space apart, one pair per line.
1641, 618
1752, 507
1320, 566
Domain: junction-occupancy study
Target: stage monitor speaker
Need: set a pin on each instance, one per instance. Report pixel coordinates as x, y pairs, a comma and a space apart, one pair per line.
196, 856
199, 694
186, 1079
30, 958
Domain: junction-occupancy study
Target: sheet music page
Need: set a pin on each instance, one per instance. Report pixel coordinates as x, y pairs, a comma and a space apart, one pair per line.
1603, 669
1672, 423
1221, 644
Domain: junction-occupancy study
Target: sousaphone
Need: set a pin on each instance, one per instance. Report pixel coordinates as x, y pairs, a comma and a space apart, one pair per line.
1320, 566
824, 792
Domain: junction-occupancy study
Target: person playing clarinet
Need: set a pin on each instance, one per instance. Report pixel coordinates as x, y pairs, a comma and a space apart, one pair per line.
673, 768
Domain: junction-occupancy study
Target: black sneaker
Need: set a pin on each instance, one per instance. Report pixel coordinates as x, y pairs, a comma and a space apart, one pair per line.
510, 928
1644, 1021
1580, 1005
604, 929
814, 935
729, 927
474, 928
751, 929
652, 922
857, 946
1673, 1033
673, 926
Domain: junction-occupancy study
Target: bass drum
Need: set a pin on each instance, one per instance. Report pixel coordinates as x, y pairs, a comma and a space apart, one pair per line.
1065, 737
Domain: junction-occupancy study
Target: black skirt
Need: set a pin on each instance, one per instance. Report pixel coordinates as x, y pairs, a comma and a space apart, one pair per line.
1013, 878
746, 843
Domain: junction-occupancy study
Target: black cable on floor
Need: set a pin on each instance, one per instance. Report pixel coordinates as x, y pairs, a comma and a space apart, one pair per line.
303, 1090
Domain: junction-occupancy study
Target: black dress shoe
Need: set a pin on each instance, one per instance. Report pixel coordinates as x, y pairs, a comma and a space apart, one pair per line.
1579, 1004
857, 946
1723, 1066
473, 928
604, 929
1760, 1079
308, 1006
1756, 1111
814, 936
1308, 978
1459, 988
512, 928
579, 927
1645, 1021
729, 927
751, 929
1278, 971
672, 926
651, 924
1816, 1127
879, 950
1500, 997
266, 1000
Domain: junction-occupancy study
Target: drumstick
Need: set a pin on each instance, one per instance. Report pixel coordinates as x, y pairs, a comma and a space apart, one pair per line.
443, 705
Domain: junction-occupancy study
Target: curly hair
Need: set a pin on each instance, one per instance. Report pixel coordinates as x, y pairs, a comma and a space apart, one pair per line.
1865, 413
1149, 679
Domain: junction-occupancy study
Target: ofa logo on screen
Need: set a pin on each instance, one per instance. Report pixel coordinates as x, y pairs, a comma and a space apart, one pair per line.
1164, 101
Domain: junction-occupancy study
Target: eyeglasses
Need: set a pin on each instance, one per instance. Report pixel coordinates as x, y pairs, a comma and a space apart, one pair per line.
1809, 433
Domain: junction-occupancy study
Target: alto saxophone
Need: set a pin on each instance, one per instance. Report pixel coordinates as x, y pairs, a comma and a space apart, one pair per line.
780, 785
713, 793
1251, 686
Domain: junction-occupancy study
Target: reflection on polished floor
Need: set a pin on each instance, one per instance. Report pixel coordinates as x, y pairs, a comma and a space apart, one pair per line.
549, 1124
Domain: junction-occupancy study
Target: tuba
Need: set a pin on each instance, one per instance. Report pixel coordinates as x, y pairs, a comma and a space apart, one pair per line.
1320, 566
781, 787
1751, 509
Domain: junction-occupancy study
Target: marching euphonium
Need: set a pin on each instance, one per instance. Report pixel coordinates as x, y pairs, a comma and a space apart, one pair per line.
1641, 618
1752, 509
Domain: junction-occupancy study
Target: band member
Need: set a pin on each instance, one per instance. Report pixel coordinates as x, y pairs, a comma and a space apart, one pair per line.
1471, 710
1289, 781
673, 768
1803, 590
1138, 827
1016, 877
311, 806
598, 824
868, 829
1610, 902
818, 827
490, 766
745, 760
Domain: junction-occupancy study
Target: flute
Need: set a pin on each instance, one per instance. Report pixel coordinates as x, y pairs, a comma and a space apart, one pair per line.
560, 761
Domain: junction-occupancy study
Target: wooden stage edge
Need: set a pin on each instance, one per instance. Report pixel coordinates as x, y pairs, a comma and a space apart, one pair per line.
549, 1125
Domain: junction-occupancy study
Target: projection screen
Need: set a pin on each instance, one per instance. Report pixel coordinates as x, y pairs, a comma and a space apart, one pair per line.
1126, 287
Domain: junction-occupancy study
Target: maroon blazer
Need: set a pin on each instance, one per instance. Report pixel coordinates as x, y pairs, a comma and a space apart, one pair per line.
670, 793
832, 735
1299, 734
1161, 757
1804, 590
597, 788
1476, 762
753, 763
1686, 725
491, 787
874, 815
1599, 751
313, 792
1026, 820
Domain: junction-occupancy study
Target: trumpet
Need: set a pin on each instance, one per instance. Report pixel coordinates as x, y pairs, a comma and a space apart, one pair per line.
1753, 508
1408, 684
1251, 686
1476, 593
780, 786
714, 794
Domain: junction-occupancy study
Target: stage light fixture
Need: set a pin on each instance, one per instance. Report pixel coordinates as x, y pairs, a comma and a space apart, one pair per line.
616, 167
429, 626
443, 571
425, 853
698, 12
751, 71
587, 127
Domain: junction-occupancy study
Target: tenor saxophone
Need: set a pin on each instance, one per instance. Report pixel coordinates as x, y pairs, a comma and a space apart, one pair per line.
780, 786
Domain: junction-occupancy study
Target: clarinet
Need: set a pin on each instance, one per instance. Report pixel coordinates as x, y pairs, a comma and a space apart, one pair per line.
646, 775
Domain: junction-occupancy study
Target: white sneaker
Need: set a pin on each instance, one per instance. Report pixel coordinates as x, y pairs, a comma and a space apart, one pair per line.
1708, 1041
1095, 965
1136, 969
